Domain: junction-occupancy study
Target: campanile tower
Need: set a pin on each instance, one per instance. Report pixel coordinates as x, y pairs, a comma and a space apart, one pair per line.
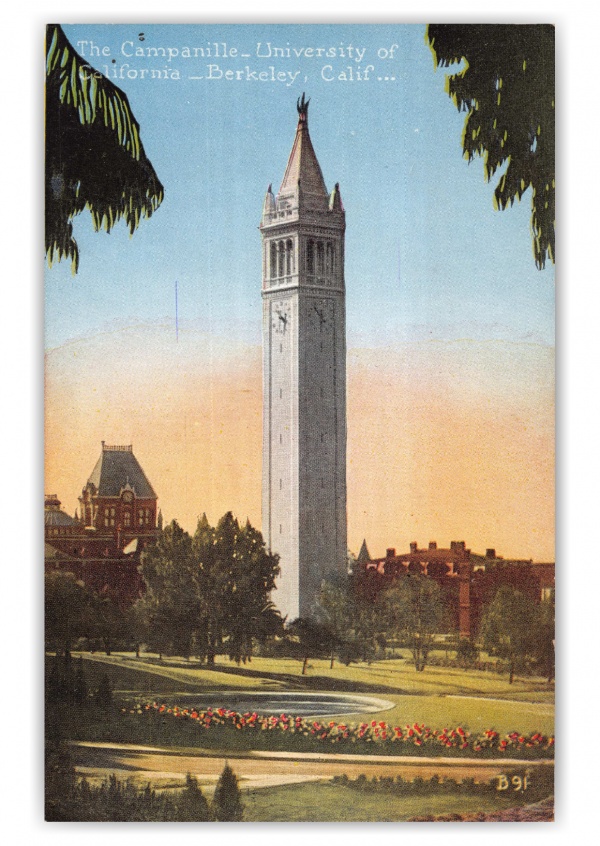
304, 378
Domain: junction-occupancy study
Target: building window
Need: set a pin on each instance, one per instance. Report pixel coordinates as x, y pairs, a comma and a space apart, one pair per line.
330, 258
320, 258
289, 258
127, 519
144, 516
281, 259
310, 258
273, 268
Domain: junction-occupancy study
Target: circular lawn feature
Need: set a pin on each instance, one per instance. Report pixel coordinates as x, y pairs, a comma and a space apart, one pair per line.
285, 702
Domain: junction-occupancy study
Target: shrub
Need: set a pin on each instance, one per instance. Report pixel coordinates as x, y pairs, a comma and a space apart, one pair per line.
227, 802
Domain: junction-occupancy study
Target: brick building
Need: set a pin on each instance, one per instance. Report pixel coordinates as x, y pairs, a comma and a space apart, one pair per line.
468, 580
117, 519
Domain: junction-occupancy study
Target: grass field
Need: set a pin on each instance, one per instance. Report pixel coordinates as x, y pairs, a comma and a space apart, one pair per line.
325, 802
439, 697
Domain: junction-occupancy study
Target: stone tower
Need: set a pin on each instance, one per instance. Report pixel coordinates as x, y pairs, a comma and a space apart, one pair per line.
304, 379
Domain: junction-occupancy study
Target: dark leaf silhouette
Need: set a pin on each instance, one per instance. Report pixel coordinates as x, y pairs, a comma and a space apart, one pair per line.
94, 155
507, 89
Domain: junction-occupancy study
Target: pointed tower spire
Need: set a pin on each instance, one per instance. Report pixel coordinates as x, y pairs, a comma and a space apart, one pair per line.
303, 165
335, 199
363, 555
269, 205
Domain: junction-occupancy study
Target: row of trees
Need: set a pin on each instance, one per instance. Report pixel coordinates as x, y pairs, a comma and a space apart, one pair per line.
72, 611
412, 613
210, 593
205, 593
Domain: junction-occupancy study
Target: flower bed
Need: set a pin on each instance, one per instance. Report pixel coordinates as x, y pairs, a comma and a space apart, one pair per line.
221, 727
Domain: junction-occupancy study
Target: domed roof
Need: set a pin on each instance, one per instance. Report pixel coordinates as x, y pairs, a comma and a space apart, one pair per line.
53, 514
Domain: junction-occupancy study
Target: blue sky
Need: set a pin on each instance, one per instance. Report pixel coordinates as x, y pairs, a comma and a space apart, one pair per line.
426, 254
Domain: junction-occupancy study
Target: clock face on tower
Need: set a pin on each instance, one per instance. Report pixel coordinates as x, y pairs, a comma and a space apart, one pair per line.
281, 317
321, 314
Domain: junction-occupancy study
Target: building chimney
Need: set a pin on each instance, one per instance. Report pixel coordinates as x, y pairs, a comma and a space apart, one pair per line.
432, 545
490, 553
413, 547
390, 553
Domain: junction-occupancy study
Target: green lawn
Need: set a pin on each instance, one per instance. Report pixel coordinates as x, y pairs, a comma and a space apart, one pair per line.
438, 696
325, 802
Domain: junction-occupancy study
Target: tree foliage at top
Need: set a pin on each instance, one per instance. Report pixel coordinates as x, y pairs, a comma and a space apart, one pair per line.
314, 639
209, 591
227, 803
509, 627
507, 89
94, 155
414, 611
69, 611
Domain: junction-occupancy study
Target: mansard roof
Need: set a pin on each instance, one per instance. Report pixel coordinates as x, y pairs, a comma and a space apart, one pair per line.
303, 165
118, 469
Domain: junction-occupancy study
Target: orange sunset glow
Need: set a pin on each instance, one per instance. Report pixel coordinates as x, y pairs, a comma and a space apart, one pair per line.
446, 440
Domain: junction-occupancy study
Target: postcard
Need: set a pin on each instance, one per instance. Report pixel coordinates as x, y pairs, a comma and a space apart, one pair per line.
299, 422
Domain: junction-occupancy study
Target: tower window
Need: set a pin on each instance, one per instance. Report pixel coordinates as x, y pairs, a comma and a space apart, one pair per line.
330, 259
281, 393
289, 257
281, 259
310, 258
320, 258
273, 268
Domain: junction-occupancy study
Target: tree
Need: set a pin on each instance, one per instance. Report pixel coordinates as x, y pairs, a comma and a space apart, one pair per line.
508, 627
414, 611
543, 641
314, 639
210, 591
109, 622
227, 802
94, 154
507, 90
337, 607
192, 805
172, 602
67, 610
236, 577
